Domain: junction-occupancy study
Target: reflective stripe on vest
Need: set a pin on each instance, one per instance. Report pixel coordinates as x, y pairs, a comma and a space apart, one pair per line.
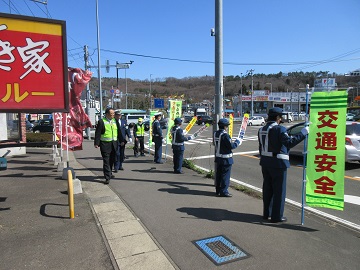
217, 146
174, 138
264, 142
111, 132
140, 130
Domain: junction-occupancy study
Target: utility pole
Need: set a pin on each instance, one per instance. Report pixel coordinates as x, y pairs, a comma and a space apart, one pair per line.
218, 61
241, 92
87, 110
98, 49
251, 72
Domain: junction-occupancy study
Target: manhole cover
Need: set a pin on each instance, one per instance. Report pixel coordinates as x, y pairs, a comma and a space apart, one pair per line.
220, 250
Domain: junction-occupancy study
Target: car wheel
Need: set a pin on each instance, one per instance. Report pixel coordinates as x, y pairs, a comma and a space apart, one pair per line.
37, 131
250, 124
263, 124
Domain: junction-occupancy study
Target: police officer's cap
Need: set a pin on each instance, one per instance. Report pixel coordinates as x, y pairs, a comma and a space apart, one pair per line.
223, 122
275, 111
157, 114
118, 112
177, 121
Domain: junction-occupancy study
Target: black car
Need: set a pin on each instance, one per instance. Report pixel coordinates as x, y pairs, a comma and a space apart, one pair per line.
29, 126
45, 125
204, 119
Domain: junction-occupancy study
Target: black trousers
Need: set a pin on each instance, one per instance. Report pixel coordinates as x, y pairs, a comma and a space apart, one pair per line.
139, 145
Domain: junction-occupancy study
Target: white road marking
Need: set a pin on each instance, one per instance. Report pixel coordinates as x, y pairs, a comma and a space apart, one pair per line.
234, 154
352, 199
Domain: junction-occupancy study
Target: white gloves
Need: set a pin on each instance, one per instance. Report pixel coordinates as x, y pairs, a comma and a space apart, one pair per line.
130, 140
305, 131
164, 140
238, 141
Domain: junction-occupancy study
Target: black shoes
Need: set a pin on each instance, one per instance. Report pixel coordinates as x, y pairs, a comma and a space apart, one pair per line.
107, 181
121, 169
283, 219
115, 171
143, 155
159, 162
228, 195
178, 172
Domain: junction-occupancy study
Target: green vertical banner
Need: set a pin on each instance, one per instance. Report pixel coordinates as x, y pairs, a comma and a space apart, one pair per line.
152, 118
174, 112
325, 166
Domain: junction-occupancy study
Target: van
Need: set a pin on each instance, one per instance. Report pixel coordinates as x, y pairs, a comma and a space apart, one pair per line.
133, 118
288, 117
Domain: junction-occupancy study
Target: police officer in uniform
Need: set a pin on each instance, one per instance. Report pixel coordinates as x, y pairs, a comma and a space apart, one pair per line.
178, 147
157, 138
106, 137
274, 146
139, 132
223, 158
125, 132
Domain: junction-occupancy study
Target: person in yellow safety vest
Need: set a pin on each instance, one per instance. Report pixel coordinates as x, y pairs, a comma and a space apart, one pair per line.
106, 137
139, 132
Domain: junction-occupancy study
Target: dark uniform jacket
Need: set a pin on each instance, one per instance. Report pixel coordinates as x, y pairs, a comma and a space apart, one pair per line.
226, 145
124, 129
279, 142
178, 134
156, 129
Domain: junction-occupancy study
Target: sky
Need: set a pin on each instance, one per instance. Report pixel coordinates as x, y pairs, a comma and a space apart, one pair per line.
171, 38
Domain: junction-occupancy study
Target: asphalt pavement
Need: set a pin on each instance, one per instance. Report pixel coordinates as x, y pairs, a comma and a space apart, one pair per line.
150, 218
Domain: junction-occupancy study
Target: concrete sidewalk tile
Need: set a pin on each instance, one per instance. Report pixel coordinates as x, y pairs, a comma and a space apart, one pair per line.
114, 216
100, 192
145, 261
122, 229
109, 206
131, 245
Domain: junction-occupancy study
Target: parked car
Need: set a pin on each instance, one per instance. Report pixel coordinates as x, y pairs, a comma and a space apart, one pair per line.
352, 141
44, 125
204, 119
256, 121
187, 118
29, 126
350, 117
163, 123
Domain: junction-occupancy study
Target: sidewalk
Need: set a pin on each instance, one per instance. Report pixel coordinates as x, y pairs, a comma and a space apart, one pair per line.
149, 218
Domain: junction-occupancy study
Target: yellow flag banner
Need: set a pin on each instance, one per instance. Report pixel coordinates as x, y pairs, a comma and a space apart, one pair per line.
174, 112
231, 126
326, 150
190, 125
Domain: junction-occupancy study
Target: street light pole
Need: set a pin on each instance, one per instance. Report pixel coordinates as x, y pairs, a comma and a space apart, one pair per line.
270, 87
150, 93
98, 49
251, 71
125, 90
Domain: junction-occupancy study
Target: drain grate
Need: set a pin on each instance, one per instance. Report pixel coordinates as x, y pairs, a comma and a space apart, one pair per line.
220, 250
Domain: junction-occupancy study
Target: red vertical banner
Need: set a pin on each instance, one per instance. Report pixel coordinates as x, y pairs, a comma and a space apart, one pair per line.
70, 125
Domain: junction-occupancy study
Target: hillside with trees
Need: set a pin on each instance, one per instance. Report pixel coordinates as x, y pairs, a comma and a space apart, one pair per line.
197, 89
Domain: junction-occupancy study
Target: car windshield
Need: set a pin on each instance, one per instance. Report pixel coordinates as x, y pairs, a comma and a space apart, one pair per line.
353, 129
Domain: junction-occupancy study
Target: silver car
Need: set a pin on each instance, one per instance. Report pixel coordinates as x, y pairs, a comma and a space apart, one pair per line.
352, 141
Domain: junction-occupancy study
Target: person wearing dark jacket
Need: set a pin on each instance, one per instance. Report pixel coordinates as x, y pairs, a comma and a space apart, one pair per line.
274, 146
157, 138
106, 137
124, 132
223, 158
177, 145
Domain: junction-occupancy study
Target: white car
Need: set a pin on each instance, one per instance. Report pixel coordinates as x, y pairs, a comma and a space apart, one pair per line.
350, 117
256, 121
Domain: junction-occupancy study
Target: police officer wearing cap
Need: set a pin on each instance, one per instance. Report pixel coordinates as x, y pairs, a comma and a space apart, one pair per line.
139, 132
107, 137
125, 132
177, 145
274, 146
223, 158
157, 138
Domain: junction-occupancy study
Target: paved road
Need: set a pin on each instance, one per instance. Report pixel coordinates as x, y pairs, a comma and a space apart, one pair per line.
247, 170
